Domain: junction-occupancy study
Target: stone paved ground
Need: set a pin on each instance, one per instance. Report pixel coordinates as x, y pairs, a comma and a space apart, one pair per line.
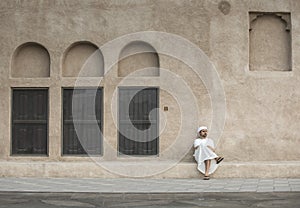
127, 185
148, 193
150, 200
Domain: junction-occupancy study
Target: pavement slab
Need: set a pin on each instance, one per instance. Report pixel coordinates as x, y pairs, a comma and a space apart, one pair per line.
130, 185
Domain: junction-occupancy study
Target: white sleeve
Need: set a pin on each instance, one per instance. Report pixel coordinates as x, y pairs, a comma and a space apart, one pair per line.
196, 143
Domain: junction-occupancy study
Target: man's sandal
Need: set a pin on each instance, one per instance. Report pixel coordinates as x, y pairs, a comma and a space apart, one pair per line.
206, 178
220, 159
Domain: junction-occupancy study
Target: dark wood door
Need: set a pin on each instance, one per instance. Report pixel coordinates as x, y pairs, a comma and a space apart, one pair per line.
30, 121
86, 138
135, 105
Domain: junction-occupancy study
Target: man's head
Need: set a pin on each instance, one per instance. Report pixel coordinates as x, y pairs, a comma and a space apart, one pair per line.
202, 130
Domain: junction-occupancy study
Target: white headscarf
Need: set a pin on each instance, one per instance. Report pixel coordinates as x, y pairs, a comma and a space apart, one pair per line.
202, 128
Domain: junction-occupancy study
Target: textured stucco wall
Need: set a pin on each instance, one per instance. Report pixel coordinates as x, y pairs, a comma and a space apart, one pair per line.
262, 107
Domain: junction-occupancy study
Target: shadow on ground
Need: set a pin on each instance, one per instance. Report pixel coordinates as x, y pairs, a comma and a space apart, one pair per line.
187, 200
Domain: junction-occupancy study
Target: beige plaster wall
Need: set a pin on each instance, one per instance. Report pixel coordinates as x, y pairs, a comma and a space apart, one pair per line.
83, 55
30, 60
262, 107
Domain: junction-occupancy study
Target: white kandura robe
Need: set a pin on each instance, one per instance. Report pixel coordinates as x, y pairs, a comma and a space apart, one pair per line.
203, 153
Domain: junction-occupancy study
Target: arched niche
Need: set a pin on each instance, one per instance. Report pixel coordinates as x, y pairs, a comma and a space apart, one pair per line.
30, 60
138, 57
83, 59
270, 42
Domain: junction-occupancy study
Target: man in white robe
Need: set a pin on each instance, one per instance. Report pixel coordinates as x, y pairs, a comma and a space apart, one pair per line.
204, 154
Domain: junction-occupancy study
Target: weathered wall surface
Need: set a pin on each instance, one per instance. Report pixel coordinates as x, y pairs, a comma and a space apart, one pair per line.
262, 106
